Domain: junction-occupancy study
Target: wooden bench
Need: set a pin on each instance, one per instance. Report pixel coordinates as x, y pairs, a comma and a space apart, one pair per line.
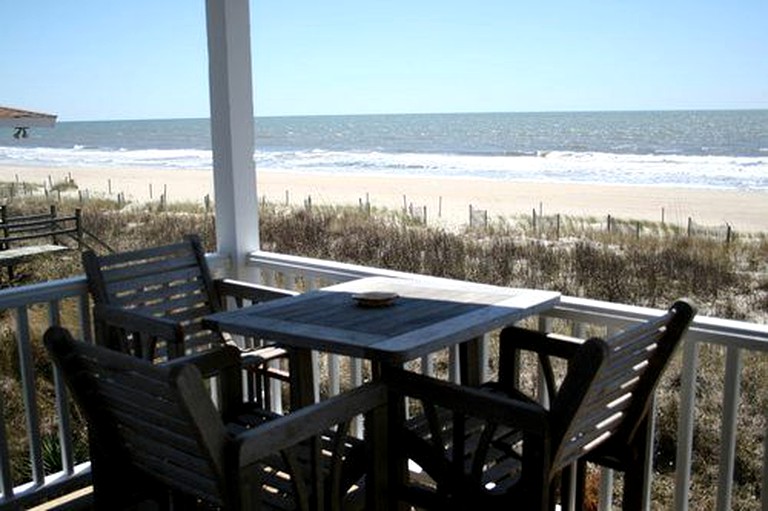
24, 237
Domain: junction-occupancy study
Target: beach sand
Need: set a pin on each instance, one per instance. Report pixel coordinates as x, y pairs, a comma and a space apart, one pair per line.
447, 200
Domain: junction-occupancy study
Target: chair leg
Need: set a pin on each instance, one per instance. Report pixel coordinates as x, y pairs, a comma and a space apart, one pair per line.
634, 470
632, 499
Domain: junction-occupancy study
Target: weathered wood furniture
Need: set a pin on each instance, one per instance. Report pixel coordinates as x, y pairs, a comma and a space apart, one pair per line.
151, 302
651, 344
493, 447
24, 237
427, 315
159, 422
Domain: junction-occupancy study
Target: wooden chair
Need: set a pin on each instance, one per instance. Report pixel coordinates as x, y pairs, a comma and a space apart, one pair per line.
158, 424
493, 447
652, 343
150, 303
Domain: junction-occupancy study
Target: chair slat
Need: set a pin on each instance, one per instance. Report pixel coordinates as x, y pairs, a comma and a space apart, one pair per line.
129, 287
122, 259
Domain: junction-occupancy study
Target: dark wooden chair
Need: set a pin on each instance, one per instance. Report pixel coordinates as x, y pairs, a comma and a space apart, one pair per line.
151, 302
493, 447
655, 342
158, 424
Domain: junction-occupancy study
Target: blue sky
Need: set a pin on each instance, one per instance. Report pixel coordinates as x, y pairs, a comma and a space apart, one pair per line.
136, 59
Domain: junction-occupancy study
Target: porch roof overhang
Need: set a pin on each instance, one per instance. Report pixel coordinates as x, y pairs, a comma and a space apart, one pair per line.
15, 118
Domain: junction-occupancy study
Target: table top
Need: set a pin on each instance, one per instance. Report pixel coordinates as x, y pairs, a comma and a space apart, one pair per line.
427, 315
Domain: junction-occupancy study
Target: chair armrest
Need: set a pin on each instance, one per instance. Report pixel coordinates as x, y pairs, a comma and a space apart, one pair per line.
522, 415
209, 362
137, 322
246, 291
514, 339
223, 364
554, 345
287, 431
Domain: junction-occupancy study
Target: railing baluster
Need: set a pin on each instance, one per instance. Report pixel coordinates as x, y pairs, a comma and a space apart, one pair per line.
728, 433
485, 368
62, 403
685, 424
764, 492
334, 375
453, 364
650, 443
545, 326
6, 481
356, 372
29, 394
606, 490
65, 424
85, 318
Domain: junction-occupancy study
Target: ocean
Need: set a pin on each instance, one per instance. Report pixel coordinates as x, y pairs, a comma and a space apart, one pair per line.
716, 149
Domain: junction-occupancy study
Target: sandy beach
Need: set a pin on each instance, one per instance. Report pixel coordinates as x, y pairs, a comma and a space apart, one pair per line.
447, 200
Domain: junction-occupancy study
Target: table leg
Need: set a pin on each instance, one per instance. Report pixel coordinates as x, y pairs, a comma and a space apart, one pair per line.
302, 378
397, 476
471, 362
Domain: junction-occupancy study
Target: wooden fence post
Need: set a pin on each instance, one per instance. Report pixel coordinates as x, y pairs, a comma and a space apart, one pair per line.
53, 224
79, 227
4, 219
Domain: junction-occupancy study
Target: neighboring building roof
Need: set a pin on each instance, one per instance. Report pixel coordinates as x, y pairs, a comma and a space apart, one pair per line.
15, 118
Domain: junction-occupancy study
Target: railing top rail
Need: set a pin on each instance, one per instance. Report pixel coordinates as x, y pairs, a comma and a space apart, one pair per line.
42, 292
753, 336
704, 329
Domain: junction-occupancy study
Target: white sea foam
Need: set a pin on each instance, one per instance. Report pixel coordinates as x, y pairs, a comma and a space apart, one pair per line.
554, 166
81, 156
551, 166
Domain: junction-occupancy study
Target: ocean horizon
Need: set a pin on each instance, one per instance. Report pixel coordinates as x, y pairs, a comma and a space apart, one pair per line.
713, 149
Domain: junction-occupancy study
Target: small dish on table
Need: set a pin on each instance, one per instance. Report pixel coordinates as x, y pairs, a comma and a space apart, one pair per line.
374, 299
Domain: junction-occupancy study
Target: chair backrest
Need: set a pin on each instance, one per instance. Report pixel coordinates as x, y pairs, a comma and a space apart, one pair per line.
609, 385
160, 419
171, 282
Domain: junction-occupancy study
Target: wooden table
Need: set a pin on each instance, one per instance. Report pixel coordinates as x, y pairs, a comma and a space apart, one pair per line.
428, 315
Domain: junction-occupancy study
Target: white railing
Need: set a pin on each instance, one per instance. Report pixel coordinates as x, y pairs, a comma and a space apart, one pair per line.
737, 337
45, 303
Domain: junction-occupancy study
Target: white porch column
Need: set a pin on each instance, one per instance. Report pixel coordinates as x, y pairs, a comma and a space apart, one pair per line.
232, 131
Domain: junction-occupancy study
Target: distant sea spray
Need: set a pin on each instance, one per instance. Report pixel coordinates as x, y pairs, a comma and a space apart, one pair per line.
723, 149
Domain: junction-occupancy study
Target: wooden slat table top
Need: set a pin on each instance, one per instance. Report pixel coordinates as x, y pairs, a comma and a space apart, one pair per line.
428, 315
